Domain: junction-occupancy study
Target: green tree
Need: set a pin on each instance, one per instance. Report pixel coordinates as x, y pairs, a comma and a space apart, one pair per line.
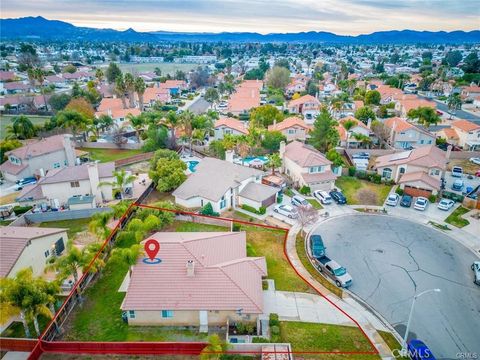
278, 77
425, 115
274, 162
156, 138
120, 181
454, 103
215, 348
99, 222
22, 127
272, 139
8, 145
324, 135
364, 113
99, 75
211, 95
137, 122
73, 120
372, 97
129, 82
264, 116
335, 158
120, 89
471, 63
58, 102
452, 58
112, 72
167, 174
128, 255
140, 88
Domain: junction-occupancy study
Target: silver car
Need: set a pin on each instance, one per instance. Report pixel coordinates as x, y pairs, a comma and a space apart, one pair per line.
476, 272
287, 210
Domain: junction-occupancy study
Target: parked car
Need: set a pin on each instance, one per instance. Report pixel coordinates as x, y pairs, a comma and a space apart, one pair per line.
477, 173
316, 246
421, 203
392, 200
476, 272
445, 204
20, 184
361, 155
475, 160
287, 210
334, 271
323, 197
457, 185
417, 350
338, 197
297, 200
406, 201
457, 171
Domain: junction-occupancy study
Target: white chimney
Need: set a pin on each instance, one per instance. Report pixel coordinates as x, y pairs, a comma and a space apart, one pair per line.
392, 133
190, 268
229, 154
449, 152
94, 179
69, 149
282, 149
369, 123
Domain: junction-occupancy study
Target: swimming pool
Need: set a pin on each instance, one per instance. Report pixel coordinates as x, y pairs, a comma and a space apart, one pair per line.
255, 159
192, 164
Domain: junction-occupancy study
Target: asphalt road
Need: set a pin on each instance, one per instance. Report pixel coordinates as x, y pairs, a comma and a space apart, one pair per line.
199, 106
390, 259
458, 113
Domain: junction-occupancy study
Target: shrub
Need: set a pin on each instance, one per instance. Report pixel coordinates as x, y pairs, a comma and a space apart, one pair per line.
208, 210
399, 191
432, 198
273, 321
275, 330
19, 210
351, 171
376, 178
362, 175
169, 108
262, 210
92, 138
236, 227
305, 190
260, 340
249, 208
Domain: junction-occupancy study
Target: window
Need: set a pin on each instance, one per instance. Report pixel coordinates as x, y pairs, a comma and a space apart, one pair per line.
316, 169
167, 313
223, 202
56, 165
422, 141
291, 131
402, 170
47, 253
131, 314
74, 184
387, 173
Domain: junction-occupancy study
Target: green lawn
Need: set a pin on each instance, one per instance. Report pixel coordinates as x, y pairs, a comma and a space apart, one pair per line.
165, 67
5, 120
362, 192
106, 155
391, 341
302, 255
73, 226
322, 337
315, 204
455, 218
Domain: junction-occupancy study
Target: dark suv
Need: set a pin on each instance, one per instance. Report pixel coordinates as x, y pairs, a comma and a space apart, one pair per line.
338, 197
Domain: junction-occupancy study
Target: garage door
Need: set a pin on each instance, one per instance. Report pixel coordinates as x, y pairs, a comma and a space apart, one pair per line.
324, 186
269, 201
415, 192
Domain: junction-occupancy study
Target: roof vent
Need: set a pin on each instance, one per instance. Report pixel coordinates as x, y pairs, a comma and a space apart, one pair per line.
190, 268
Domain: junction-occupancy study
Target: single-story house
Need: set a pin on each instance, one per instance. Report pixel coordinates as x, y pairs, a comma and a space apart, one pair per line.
204, 279
418, 171
306, 166
29, 247
220, 183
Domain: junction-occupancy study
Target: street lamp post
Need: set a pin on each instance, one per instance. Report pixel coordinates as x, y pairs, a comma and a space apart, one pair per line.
404, 343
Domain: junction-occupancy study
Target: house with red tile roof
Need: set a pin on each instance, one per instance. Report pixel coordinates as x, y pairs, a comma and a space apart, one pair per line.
388, 93
306, 105
153, 95
29, 247
7, 76
405, 135
175, 87
293, 128
297, 84
15, 87
204, 279
347, 137
113, 107
38, 157
406, 103
231, 126
306, 166
449, 134
245, 97
418, 171
468, 134
470, 92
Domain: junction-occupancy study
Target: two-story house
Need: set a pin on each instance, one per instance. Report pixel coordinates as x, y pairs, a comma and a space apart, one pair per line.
468, 134
229, 126
306, 105
223, 184
293, 128
347, 136
418, 171
306, 166
39, 156
404, 135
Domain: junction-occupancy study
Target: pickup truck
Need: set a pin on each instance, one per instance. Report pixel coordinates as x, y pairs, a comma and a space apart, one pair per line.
334, 271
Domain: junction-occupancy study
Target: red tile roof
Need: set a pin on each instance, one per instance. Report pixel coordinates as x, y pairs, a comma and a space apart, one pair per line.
305, 155
465, 125
288, 123
232, 124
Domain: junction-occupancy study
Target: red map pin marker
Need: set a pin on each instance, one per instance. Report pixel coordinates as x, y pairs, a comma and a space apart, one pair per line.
151, 248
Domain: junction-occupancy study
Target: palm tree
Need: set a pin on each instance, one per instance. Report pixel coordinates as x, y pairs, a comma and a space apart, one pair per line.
121, 180
51, 289
274, 162
129, 81
138, 122
347, 125
171, 122
140, 89
99, 75
39, 75
74, 120
120, 89
72, 262
454, 102
99, 222
22, 127
37, 306
128, 255
362, 139
105, 121
186, 119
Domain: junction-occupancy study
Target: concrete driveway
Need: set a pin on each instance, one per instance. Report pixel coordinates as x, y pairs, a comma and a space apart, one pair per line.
391, 259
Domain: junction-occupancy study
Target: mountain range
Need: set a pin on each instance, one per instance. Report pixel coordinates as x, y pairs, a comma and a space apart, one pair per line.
44, 29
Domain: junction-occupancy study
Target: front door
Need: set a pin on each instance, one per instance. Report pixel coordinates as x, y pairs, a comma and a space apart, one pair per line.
203, 315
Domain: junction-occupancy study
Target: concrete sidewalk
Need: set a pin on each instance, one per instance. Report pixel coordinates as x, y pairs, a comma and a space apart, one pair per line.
367, 320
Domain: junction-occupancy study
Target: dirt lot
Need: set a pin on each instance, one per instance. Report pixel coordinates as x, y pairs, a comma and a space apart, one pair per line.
468, 167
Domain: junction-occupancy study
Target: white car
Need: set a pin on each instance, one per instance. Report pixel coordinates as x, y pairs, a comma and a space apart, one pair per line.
475, 160
287, 210
323, 197
445, 204
421, 203
392, 199
297, 200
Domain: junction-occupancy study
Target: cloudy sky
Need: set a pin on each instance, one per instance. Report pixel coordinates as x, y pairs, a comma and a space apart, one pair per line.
264, 16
